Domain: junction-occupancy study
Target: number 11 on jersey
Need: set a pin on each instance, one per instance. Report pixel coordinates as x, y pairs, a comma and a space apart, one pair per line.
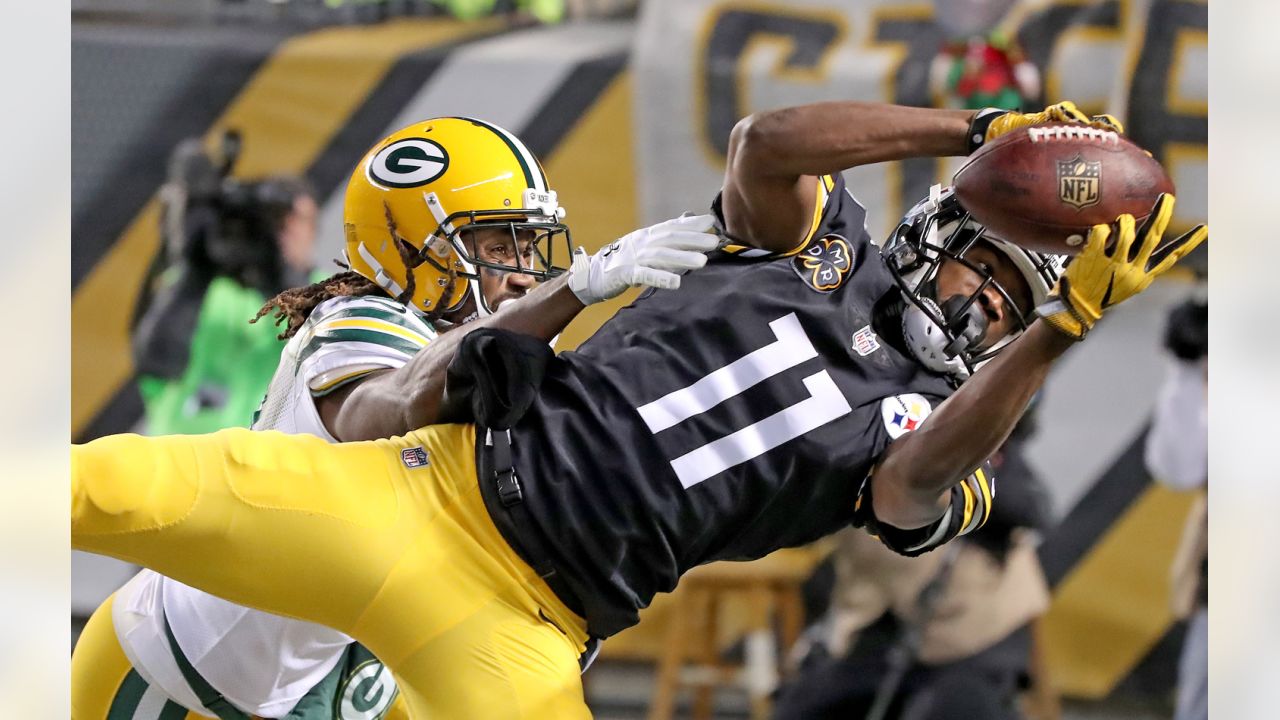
791, 347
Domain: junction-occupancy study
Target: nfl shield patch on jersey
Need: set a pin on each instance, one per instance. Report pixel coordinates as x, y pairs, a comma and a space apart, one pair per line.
415, 457
864, 341
904, 413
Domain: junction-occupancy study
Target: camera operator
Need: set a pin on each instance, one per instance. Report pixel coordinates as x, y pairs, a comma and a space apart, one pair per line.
228, 246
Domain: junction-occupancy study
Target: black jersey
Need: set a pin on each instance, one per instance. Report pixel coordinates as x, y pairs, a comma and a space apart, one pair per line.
734, 416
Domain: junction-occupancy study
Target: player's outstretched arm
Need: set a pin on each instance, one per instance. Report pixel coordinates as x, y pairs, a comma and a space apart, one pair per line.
910, 486
775, 158
397, 401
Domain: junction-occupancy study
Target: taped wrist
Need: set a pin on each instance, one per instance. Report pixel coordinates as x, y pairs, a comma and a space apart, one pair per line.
969, 508
580, 277
979, 125
1072, 318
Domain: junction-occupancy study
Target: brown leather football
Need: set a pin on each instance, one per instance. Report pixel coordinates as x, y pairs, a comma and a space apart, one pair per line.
1044, 186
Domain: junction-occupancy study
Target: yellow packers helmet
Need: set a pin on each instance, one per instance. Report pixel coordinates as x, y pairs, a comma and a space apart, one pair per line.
417, 196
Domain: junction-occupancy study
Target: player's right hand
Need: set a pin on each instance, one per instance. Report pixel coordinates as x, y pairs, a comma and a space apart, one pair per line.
1065, 111
655, 256
1101, 276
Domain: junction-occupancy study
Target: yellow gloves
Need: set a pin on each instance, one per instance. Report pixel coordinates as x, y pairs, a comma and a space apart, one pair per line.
1099, 278
1065, 111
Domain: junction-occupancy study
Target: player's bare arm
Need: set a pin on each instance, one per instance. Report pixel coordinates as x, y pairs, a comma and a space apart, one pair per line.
911, 483
393, 402
775, 158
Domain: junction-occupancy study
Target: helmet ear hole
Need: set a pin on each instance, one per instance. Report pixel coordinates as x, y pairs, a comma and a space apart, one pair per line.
906, 257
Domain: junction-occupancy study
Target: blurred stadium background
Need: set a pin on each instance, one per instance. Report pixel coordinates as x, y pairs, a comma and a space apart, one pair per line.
629, 104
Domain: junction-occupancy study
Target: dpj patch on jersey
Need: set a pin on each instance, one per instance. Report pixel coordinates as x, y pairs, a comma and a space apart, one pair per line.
415, 457
904, 413
825, 263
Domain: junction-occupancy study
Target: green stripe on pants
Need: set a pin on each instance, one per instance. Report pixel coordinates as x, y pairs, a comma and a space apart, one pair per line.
136, 700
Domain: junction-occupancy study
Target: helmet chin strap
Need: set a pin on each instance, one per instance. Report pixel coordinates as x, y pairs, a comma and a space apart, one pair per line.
938, 349
482, 305
967, 326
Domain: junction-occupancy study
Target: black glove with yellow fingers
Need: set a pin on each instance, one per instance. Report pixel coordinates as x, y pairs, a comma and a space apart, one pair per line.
1100, 277
989, 124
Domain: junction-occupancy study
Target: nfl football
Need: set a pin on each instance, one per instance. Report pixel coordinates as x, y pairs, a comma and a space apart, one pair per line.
1044, 186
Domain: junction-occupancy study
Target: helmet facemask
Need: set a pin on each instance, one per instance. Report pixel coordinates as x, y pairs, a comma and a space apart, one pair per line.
533, 236
946, 333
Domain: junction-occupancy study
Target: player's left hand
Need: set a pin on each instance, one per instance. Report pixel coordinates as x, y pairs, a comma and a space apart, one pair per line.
655, 256
1065, 111
1102, 276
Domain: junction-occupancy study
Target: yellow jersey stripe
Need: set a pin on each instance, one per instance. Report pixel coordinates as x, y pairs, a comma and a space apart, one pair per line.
326, 387
985, 486
372, 324
825, 185
968, 505
819, 208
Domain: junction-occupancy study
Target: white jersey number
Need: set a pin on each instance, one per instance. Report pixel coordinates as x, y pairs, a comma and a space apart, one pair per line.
792, 347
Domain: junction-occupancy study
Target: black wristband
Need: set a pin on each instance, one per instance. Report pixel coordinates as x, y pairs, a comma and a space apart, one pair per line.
978, 127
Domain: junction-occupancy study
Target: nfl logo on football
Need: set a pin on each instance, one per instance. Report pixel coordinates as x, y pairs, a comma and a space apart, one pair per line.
1079, 181
415, 457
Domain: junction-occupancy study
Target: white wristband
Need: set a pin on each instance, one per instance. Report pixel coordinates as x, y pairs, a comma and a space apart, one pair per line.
580, 276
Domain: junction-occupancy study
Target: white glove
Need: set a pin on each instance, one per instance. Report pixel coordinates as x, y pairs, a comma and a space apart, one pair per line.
655, 256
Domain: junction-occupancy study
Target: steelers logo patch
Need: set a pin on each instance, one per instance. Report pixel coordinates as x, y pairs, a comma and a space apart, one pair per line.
825, 263
904, 413
408, 163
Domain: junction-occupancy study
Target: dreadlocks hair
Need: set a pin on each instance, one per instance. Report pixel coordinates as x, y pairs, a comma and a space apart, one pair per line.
434, 315
295, 305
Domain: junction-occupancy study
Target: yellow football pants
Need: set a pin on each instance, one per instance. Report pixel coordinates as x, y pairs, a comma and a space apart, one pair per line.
404, 559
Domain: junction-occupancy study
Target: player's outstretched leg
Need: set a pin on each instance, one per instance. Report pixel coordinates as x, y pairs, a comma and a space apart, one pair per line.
285, 523
510, 663
388, 541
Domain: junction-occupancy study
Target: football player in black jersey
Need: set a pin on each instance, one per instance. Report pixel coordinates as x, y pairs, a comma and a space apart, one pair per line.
799, 382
